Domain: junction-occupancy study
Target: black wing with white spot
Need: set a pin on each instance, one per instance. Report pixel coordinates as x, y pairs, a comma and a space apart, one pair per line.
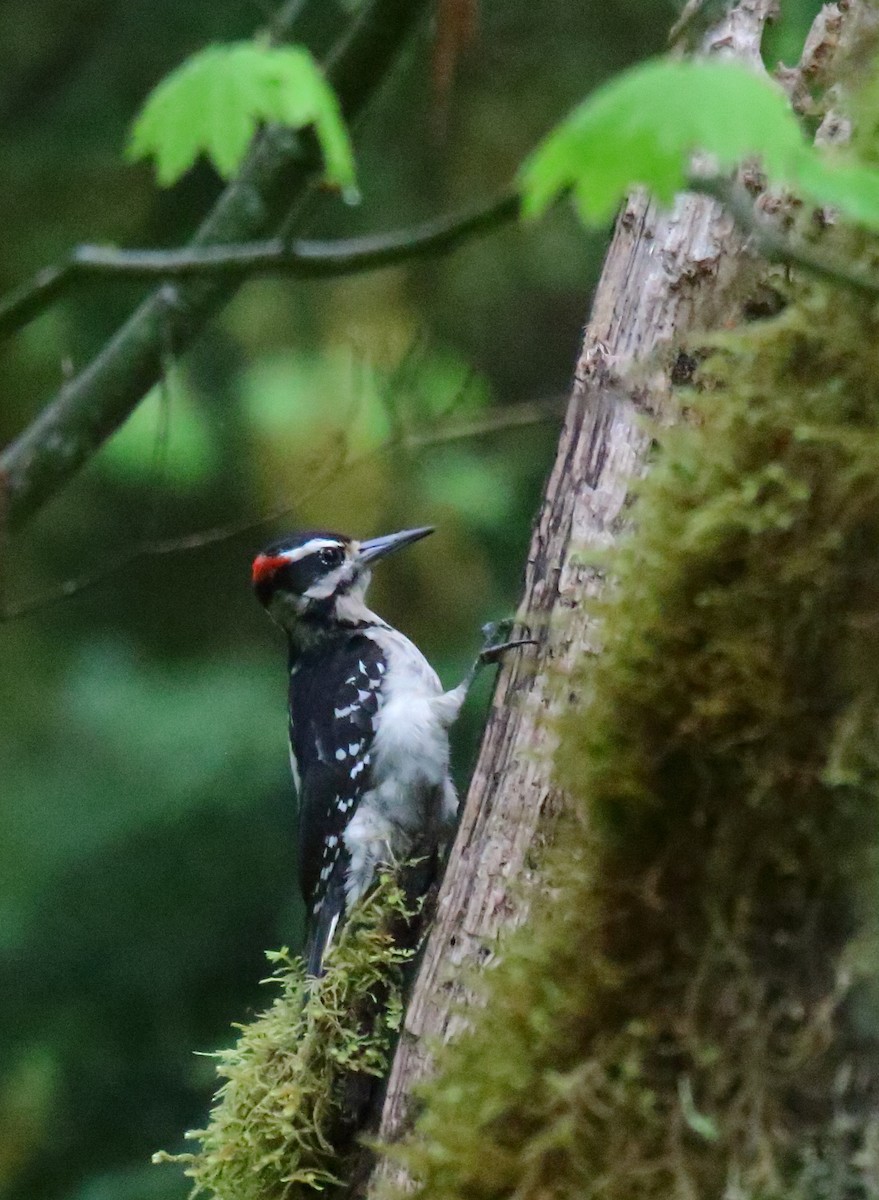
334, 699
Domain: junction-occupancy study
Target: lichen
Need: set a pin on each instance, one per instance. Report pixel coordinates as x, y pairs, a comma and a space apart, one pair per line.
298, 1079
688, 1011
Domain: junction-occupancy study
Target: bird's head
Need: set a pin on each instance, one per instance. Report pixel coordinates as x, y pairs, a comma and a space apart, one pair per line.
319, 579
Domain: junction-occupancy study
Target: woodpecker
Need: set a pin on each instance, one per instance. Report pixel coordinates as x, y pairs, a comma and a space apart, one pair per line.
369, 721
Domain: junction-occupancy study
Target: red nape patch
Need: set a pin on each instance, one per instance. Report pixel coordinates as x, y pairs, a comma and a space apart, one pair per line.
265, 565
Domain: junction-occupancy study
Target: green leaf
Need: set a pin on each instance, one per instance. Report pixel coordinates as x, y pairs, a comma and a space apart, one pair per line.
643, 127
215, 101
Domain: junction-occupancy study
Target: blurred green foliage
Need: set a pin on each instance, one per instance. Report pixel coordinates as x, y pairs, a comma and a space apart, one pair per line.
146, 856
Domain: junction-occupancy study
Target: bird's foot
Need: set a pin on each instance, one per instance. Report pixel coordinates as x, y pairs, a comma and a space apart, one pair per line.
496, 642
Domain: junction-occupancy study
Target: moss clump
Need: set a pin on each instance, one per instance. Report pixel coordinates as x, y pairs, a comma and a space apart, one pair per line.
682, 1017
299, 1078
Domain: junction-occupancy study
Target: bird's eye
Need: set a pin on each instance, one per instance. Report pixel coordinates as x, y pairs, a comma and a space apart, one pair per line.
330, 556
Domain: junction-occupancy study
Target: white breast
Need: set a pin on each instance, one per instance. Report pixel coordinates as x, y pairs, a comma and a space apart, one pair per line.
411, 746
412, 794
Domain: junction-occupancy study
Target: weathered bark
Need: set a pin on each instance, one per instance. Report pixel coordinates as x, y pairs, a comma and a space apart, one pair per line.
666, 274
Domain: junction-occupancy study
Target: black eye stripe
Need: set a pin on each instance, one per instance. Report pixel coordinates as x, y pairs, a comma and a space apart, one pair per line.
300, 575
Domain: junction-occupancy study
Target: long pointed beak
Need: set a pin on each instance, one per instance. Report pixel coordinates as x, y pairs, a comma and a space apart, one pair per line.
377, 548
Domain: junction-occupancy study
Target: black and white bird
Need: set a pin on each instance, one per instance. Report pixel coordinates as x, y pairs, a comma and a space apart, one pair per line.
369, 721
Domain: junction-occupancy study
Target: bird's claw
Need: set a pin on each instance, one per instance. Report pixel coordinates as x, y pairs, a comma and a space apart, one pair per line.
494, 632
496, 643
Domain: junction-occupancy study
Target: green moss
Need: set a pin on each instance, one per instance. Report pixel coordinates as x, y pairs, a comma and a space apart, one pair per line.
298, 1079
684, 1016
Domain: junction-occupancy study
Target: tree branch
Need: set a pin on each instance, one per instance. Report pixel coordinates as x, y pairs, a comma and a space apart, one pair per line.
303, 259
272, 184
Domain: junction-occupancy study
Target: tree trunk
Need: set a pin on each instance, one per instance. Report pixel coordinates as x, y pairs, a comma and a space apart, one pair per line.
665, 275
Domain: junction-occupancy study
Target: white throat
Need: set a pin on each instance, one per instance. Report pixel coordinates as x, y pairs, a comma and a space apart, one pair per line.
351, 608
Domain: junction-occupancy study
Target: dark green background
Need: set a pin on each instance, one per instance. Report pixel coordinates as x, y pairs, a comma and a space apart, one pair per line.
146, 856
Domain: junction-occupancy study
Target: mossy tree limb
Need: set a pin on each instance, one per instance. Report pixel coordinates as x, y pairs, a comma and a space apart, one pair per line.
299, 1082
665, 275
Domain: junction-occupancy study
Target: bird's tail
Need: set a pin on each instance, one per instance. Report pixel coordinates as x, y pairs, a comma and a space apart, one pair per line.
323, 928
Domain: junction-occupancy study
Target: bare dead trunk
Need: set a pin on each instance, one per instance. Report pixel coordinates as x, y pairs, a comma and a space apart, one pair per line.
665, 275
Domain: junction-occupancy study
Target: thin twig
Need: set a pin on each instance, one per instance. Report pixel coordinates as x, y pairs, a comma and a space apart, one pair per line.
688, 15
303, 259
774, 246
519, 416
280, 24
